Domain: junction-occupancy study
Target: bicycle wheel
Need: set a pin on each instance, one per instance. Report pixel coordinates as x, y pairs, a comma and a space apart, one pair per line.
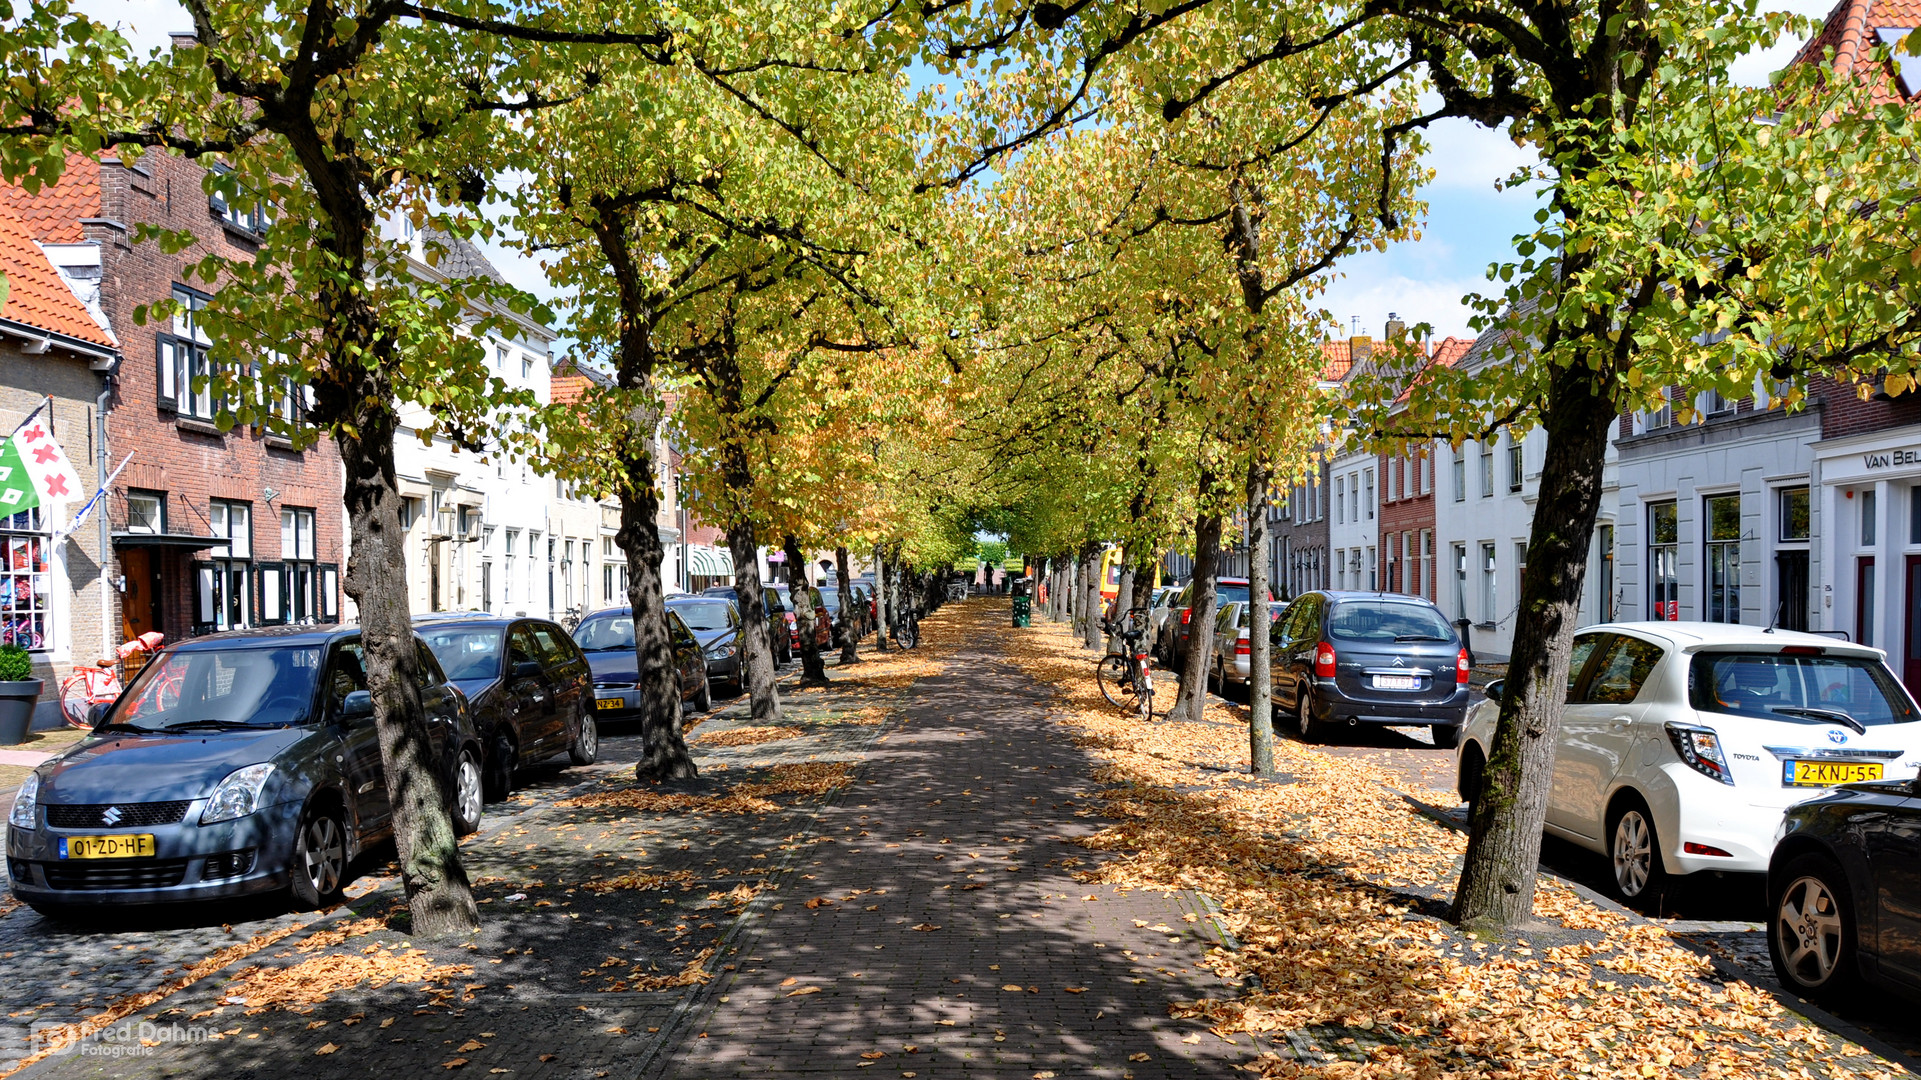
1144, 700
76, 699
906, 636
1117, 684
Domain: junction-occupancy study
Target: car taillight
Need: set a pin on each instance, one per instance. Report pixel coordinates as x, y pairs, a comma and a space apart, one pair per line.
1324, 661
1242, 648
1693, 848
1700, 749
1186, 613
1461, 668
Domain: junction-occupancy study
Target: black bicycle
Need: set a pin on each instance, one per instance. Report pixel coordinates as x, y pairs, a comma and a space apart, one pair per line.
907, 630
1125, 679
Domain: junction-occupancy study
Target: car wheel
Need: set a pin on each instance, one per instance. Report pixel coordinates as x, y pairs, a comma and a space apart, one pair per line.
468, 797
1634, 849
502, 760
704, 699
1446, 736
1472, 775
319, 859
1304, 716
586, 747
1811, 936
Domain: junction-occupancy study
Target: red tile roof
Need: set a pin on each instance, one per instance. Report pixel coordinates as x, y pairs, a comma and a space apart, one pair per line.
1851, 30
1336, 361
35, 294
1450, 350
52, 215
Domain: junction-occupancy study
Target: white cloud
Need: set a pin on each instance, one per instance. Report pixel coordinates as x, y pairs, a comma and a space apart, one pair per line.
145, 22
1371, 297
1465, 155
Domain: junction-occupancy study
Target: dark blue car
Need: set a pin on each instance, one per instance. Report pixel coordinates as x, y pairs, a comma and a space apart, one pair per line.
607, 637
527, 685
234, 764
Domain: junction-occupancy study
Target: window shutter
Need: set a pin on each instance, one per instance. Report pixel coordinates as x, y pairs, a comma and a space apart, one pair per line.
273, 593
205, 598
165, 366
329, 592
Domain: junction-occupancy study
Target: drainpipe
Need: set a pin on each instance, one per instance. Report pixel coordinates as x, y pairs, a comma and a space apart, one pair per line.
100, 406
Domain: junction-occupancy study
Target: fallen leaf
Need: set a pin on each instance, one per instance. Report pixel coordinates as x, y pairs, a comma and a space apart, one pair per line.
924, 927
548, 1057
470, 1046
1077, 989
1192, 1039
1137, 1057
789, 981
874, 1055
805, 990
1015, 987
454, 1064
387, 1023
327, 1049
1043, 1075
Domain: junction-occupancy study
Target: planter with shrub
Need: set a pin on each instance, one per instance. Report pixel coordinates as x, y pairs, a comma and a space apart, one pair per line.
19, 692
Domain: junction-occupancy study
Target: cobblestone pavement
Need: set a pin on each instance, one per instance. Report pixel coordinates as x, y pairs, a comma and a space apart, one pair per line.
939, 932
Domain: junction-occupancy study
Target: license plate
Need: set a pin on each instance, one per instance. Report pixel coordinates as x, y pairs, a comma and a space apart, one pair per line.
1396, 682
1827, 773
606, 703
137, 846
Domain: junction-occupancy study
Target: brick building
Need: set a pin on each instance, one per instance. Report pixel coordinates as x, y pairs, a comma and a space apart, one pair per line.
209, 529
55, 360
1407, 543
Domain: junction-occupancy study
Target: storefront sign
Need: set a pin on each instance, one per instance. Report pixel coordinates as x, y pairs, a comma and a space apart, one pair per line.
1885, 459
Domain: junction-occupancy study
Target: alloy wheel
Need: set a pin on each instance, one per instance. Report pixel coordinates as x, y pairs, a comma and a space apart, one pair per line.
468, 797
1633, 852
1808, 932
326, 854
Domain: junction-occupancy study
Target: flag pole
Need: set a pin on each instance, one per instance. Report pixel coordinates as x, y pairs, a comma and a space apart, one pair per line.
31, 415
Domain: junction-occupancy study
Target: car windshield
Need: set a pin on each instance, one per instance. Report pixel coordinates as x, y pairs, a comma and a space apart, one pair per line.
830, 600
1799, 688
216, 688
467, 652
1225, 594
601, 633
1387, 621
705, 615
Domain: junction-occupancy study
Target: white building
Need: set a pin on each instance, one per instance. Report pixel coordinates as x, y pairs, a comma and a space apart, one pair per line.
1354, 524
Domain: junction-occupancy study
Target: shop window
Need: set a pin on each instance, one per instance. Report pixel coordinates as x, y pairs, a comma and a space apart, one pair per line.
1914, 515
1664, 585
1723, 538
25, 582
1870, 520
1794, 513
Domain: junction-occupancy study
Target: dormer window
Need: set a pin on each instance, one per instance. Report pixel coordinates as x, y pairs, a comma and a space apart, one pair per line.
226, 200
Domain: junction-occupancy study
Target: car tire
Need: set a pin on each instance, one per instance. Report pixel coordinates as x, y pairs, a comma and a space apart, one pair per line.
1473, 773
1634, 852
468, 795
502, 760
585, 749
319, 867
704, 700
1810, 907
1446, 736
1304, 724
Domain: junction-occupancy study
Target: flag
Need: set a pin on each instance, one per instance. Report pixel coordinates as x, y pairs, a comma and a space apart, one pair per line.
34, 471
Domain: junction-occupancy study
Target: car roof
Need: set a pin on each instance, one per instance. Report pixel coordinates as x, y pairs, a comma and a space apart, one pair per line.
269, 635
471, 618
1691, 636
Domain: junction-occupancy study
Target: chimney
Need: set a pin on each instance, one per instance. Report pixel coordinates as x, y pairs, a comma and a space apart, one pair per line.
182, 39
1396, 329
1359, 348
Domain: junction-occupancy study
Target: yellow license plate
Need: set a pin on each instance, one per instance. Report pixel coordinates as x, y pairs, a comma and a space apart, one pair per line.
1829, 773
609, 703
137, 846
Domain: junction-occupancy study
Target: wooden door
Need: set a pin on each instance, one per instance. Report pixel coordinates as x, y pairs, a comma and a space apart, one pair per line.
140, 603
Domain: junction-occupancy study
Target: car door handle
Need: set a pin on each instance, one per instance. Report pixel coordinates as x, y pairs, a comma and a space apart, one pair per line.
1621, 723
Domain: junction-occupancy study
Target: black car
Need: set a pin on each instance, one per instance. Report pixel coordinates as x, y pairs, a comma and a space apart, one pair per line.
1842, 889
1369, 658
527, 685
778, 623
1179, 627
715, 623
607, 637
234, 764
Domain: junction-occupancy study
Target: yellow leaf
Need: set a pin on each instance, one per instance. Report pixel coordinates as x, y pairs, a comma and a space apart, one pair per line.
327, 1049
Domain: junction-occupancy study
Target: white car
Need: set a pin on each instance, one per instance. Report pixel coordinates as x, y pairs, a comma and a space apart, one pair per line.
1682, 743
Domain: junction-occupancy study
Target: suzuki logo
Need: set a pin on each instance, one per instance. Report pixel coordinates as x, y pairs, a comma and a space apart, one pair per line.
110, 816
1837, 736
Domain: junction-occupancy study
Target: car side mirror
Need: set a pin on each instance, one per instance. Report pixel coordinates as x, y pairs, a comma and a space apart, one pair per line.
527, 669
357, 705
1495, 688
97, 712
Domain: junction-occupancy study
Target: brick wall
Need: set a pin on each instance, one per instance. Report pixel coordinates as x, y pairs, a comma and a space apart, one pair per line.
1843, 413
1405, 510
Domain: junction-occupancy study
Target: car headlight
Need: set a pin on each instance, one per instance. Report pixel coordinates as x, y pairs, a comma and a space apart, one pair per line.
26, 804
238, 795
721, 652
1700, 750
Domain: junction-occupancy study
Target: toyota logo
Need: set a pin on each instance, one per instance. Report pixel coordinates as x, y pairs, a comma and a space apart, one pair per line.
1837, 736
110, 816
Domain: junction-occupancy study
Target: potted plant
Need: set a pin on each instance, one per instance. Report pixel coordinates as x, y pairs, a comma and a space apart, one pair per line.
19, 691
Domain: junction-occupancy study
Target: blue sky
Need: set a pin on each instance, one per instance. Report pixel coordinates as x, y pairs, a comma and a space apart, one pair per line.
1469, 225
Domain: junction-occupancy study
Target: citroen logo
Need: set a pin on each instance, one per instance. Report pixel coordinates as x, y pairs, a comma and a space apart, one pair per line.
1398, 662
110, 816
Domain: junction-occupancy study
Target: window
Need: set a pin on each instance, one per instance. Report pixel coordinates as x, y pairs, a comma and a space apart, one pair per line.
1520, 569
1373, 579
1459, 458
1870, 519
1577, 660
1664, 587
1724, 558
297, 560
1398, 484
526, 367
1713, 404
226, 583
512, 535
1605, 544
26, 585
1794, 514
1662, 417
1340, 500
1914, 513
1427, 471
1427, 564
500, 358
185, 365
1624, 668
235, 207
1487, 471
146, 512
1460, 579
1488, 595
1515, 462
1367, 497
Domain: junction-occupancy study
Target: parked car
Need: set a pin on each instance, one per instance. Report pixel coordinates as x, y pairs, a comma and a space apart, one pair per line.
1349, 658
234, 764
1177, 627
715, 623
1841, 890
823, 627
863, 609
1232, 644
527, 685
1682, 743
607, 637
772, 603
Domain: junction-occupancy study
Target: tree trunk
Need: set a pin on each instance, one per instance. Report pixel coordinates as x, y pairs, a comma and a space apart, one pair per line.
1191, 702
847, 621
1123, 599
882, 597
756, 636
1143, 597
1260, 683
1496, 891
813, 668
663, 754
1091, 595
439, 895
